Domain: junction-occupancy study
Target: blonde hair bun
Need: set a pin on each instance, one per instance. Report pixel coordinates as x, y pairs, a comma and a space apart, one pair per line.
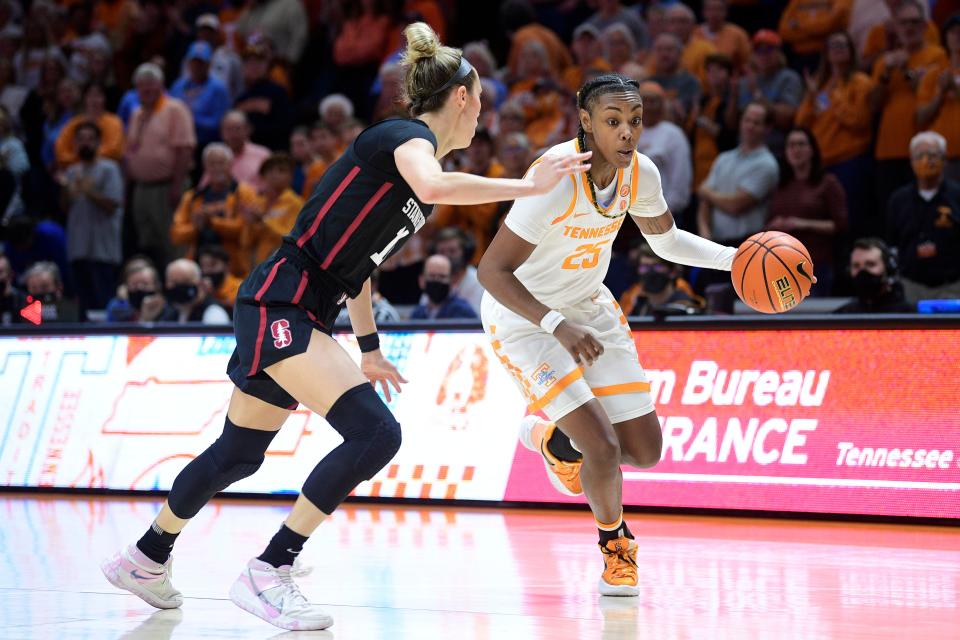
422, 42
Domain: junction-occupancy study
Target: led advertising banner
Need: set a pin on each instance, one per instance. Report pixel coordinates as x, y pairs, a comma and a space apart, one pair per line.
858, 421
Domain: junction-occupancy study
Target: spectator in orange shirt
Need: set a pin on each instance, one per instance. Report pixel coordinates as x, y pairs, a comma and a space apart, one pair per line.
836, 108
681, 22
276, 210
939, 99
728, 38
478, 218
212, 214
897, 75
883, 37
587, 50
805, 25
519, 20
94, 110
713, 123
221, 285
325, 146
539, 92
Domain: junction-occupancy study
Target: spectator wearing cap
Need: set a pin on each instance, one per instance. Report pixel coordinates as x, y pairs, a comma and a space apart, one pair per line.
265, 103
836, 109
923, 223
768, 79
225, 65
883, 36
207, 97
478, 218
160, 145
728, 38
519, 20
938, 98
713, 123
681, 22
247, 155
284, 22
274, 213
682, 88
666, 144
93, 199
587, 56
805, 25
613, 12
212, 213
898, 74
95, 111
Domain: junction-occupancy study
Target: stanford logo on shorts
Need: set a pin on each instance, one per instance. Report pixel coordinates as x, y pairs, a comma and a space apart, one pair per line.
280, 330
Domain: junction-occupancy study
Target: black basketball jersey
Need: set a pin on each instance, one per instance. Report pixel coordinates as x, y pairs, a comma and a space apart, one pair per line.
362, 211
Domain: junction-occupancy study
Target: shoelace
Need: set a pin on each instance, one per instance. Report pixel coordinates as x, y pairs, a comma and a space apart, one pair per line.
291, 588
626, 568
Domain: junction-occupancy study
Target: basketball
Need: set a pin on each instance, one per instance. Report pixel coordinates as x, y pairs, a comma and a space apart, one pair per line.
772, 272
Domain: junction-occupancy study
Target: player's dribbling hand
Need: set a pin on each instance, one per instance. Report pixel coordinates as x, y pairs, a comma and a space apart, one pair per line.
378, 369
554, 168
579, 342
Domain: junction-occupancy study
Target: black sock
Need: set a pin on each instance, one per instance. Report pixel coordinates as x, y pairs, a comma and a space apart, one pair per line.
559, 445
283, 547
156, 543
606, 536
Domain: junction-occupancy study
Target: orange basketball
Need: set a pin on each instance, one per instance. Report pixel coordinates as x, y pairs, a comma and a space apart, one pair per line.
772, 272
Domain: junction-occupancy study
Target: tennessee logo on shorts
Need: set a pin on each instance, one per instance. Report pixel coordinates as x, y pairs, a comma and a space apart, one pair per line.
280, 330
544, 375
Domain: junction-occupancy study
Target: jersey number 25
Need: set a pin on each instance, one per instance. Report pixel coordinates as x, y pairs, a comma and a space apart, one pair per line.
586, 256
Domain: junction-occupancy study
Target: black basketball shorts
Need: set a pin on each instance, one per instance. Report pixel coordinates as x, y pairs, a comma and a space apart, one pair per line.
278, 306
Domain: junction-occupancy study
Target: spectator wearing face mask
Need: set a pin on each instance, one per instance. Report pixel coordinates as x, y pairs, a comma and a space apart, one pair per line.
12, 299
459, 247
223, 285
187, 299
140, 296
43, 282
93, 199
659, 288
876, 283
441, 303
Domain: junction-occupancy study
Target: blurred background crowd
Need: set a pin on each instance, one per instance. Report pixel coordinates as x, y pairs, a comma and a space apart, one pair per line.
152, 152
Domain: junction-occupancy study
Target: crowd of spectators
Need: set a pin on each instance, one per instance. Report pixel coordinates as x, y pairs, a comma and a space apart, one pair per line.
153, 151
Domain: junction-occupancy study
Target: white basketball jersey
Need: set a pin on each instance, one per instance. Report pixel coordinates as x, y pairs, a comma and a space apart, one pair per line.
574, 241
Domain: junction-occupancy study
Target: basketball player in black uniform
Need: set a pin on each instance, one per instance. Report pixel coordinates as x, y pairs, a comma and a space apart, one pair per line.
365, 208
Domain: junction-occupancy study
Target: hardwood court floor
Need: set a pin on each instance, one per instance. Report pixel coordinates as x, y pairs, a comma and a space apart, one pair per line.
425, 573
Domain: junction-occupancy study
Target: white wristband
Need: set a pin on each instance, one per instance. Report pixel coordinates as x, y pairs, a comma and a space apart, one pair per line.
551, 320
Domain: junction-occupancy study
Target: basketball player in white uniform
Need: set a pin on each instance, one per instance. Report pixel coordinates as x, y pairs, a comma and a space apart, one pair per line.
561, 333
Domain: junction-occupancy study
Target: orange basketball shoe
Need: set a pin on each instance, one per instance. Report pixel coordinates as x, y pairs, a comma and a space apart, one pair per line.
563, 475
620, 575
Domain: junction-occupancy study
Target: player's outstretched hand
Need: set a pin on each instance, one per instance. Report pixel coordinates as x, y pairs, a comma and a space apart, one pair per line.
379, 369
554, 168
579, 342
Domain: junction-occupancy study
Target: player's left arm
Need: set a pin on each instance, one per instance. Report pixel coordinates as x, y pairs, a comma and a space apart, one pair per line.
373, 364
649, 210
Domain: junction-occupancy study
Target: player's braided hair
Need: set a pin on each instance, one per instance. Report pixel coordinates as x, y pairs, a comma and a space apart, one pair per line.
586, 97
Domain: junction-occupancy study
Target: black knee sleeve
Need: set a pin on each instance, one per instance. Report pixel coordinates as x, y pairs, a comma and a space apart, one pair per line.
236, 454
371, 437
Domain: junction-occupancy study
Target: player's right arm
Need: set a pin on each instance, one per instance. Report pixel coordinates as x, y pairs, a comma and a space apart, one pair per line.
420, 169
509, 250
